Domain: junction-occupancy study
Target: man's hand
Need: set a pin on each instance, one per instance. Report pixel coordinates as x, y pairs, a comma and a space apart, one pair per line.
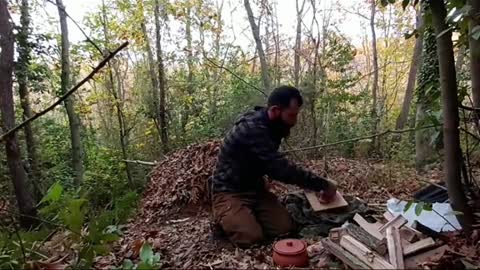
328, 195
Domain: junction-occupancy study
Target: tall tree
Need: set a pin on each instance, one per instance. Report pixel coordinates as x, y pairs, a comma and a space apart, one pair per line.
448, 81
18, 174
118, 98
298, 42
190, 83
24, 50
162, 120
258, 42
412, 75
375, 119
151, 66
73, 118
475, 52
427, 95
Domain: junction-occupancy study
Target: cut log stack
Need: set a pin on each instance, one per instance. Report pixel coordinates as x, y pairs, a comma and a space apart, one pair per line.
393, 245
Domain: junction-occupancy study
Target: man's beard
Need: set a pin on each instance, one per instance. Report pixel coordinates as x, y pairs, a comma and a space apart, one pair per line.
280, 128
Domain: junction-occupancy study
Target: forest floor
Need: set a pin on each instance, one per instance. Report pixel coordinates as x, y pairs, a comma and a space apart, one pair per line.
171, 217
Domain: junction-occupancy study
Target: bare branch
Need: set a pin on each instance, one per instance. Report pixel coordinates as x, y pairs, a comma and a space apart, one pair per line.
361, 138
67, 94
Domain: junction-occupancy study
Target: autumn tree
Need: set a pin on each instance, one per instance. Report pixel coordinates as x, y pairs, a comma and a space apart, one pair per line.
267, 85
451, 140
66, 83
18, 174
22, 71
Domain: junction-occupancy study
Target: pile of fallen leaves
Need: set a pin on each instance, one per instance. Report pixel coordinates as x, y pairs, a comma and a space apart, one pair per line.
180, 179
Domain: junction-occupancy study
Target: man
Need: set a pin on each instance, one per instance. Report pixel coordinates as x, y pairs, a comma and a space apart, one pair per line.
242, 206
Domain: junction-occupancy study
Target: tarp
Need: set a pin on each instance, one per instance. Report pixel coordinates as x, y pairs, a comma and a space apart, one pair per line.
440, 219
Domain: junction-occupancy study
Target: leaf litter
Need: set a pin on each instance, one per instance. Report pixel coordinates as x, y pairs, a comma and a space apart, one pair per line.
174, 215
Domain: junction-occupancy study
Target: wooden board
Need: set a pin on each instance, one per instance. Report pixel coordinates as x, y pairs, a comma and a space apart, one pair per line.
419, 245
317, 206
394, 244
380, 246
335, 234
343, 255
413, 262
367, 256
397, 222
371, 228
406, 232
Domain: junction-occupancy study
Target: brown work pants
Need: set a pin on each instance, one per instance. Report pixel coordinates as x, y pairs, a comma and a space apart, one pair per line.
249, 218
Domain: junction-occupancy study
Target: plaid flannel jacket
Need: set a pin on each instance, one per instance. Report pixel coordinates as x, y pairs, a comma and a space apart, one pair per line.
250, 151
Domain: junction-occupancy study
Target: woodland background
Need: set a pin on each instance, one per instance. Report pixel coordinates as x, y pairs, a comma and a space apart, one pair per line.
187, 74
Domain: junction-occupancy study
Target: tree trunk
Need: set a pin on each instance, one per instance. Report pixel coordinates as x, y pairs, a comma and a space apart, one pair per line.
188, 33
73, 119
412, 75
475, 56
427, 79
18, 174
261, 54
151, 66
298, 43
451, 138
162, 120
118, 101
24, 50
375, 71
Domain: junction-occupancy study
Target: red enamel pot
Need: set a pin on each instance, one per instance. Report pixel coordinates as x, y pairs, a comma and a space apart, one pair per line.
290, 253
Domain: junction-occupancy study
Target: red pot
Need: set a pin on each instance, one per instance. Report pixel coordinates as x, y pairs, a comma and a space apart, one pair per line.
290, 253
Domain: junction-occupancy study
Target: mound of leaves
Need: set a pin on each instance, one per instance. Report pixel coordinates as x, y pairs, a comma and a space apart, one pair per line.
181, 179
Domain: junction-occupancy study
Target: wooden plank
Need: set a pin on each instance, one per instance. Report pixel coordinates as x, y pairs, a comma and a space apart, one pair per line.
362, 252
419, 245
317, 206
380, 246
395, 253
388, 216
406, 232
413, 262
343, 255
397, 222
313, 200
371, 228
335, 234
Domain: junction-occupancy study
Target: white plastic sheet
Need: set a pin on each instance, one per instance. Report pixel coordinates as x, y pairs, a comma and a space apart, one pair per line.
431, 219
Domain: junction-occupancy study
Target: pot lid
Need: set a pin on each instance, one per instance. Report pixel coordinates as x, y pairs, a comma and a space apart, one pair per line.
289, 247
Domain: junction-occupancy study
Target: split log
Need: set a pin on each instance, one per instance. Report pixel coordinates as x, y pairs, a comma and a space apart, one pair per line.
371, 228
395, 253
419, 245
335, 234
413, 262
346, 257
406, 232
362, 252
397, 222
369, 240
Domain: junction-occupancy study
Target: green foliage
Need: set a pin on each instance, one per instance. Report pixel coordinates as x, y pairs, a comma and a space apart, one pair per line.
148, 260
90, 228
419, 207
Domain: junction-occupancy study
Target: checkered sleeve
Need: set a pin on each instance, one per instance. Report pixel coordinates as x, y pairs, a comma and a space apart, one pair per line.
257, 140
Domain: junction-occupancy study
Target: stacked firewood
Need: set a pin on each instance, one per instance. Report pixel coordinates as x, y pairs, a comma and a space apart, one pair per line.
392, 245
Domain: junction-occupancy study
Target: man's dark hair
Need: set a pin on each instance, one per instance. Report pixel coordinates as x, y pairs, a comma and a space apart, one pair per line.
282, 95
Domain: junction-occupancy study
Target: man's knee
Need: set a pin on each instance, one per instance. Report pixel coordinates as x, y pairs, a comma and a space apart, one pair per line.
237, 220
